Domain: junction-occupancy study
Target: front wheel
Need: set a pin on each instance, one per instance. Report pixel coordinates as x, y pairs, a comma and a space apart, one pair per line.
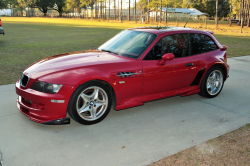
212, 82
90, 103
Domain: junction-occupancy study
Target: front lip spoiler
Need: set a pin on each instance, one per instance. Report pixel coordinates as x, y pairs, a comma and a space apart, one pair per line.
58, 121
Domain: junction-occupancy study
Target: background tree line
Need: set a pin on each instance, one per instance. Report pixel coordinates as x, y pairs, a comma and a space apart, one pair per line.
226, 8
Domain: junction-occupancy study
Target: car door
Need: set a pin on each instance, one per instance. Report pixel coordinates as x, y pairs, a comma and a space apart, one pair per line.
174, 74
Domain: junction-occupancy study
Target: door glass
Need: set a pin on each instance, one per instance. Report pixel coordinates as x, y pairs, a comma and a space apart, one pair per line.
177, 44
155, 52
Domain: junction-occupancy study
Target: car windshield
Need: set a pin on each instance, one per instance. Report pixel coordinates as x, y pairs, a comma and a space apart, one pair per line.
129, 43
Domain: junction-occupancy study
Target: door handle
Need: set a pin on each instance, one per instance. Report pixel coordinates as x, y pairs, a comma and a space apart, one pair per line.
189, 64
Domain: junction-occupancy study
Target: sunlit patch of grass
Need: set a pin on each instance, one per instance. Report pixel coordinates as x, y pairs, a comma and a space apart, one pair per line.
223, 28
237, 45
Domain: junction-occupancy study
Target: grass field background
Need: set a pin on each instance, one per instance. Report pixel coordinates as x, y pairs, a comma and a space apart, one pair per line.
27, 40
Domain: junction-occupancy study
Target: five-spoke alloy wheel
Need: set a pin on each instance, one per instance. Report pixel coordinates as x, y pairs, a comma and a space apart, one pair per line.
90, 103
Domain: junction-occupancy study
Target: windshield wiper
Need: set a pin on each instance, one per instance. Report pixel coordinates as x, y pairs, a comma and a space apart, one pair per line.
109, 51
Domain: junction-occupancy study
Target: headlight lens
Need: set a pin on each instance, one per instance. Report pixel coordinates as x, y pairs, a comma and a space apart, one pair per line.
46, 87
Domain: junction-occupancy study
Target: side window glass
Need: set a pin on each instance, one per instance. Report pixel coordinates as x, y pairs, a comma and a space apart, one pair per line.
209, 44
196, 44
201, 43
155, 52
176, 44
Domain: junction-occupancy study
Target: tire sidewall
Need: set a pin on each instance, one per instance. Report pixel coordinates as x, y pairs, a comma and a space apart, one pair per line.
203, 89
72, 111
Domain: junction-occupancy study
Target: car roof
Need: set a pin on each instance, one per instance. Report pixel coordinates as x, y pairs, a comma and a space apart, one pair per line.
161, 29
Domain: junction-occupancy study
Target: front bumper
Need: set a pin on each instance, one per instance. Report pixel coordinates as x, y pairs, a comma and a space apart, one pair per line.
1, 31
38, 106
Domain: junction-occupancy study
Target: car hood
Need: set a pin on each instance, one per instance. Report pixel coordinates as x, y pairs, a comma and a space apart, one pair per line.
74, 60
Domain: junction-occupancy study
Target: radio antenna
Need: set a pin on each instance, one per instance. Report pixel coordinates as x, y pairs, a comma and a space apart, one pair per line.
185, 24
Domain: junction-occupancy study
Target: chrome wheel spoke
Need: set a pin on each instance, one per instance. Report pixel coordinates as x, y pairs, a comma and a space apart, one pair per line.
93, 112
85, 97
208, 85
213, 76
100, 103
214, 82
84, 109
95, 94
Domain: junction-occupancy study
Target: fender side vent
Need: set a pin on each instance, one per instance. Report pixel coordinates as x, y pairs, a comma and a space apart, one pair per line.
125, 74
198, 77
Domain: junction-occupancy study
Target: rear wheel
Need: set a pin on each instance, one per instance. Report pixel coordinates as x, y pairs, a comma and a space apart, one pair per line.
90, 103
212, 82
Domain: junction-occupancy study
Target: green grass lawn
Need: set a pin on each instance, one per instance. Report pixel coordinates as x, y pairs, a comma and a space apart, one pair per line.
27, 40
24, 44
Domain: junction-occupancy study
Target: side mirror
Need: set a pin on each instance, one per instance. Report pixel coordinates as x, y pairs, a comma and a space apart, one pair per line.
166, 57
223, 48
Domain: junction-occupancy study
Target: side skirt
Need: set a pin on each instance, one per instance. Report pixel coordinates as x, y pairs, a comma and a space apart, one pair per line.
139, 100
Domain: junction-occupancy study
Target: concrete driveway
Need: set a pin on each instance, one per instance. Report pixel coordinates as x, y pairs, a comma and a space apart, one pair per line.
136, 136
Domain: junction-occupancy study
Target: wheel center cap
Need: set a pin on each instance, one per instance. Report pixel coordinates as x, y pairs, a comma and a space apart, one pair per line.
91, 103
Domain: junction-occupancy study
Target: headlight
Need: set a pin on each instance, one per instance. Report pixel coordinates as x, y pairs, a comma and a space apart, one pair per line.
46, 87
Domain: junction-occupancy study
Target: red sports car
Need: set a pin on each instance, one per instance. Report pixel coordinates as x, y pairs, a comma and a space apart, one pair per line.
135, 66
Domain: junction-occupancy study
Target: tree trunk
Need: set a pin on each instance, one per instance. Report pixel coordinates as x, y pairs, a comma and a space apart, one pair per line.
240, 10
105, 10
216, 19
156, 11
248, 20
129, 10
114, 11
91, 12
109, 9
230, 14
245, 11
148, 12
205, 22
118, 10
101, 10
242, 17
166, 14
135, 12
27, 14
96, 10
160, 11
121, 12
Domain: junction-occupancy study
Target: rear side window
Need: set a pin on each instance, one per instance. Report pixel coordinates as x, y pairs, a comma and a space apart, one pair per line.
201, 43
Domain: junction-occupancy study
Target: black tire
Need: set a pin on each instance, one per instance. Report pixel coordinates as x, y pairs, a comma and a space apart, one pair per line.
205, 91
81, 101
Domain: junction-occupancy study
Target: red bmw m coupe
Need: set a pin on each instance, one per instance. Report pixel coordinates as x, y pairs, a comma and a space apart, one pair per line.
135, 66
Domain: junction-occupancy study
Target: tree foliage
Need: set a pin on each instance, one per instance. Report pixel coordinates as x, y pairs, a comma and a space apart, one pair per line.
59, 6
206, 6
3, 4
44, 5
